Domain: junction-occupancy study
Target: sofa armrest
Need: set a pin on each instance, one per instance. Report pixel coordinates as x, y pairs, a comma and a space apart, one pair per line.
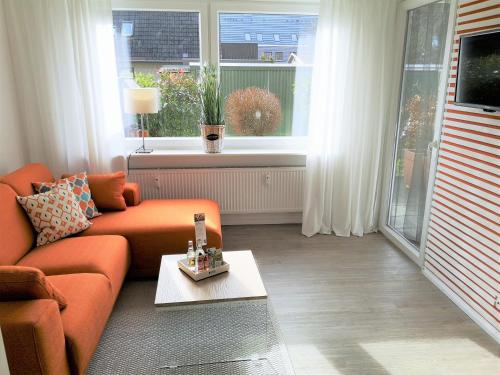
33, 336
132, 193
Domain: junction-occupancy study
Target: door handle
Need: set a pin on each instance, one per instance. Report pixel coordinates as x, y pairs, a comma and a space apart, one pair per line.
433, 144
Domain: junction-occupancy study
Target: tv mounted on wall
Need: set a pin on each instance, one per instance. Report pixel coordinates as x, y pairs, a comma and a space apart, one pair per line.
478, 72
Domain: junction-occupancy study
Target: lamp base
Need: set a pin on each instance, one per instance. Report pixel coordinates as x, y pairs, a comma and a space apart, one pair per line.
143, 150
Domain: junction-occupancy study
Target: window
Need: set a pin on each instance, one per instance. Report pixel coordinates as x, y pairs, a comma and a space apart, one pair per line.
283, 83
294, 37
127, 29
164, 53
165, 46
426, 33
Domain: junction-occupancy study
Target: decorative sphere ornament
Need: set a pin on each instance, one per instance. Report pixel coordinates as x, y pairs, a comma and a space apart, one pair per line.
253, 111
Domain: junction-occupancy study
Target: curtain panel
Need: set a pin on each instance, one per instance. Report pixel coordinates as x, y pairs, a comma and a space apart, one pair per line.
66, 81
351, 104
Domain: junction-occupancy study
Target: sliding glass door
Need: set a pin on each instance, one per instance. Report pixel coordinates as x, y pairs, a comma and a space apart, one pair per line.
423, 67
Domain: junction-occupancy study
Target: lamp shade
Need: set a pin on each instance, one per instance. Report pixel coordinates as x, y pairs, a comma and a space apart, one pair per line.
141, 100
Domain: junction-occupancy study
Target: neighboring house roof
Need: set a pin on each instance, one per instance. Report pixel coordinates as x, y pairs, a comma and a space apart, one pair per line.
267, 29
173, 37
157, 36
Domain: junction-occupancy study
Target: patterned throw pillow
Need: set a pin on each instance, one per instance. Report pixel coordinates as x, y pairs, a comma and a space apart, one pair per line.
55, 214
80, 186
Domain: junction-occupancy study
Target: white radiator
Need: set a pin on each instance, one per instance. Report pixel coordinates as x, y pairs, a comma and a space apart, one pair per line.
237, 190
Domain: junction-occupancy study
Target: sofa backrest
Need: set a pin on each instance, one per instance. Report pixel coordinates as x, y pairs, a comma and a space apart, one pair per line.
21, 179
16, 232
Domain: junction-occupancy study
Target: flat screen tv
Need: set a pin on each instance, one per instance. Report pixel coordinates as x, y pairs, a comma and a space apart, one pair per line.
478, 73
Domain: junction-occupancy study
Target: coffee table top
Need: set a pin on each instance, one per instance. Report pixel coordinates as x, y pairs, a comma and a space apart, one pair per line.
242, 282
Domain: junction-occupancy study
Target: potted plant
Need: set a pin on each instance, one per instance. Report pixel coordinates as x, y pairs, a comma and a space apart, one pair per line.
253, 111
212, 124
417, 134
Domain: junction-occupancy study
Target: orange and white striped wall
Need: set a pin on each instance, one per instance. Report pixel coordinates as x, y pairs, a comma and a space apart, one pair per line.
463, 243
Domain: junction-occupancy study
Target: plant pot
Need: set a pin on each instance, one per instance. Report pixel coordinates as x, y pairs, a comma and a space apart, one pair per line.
212, 137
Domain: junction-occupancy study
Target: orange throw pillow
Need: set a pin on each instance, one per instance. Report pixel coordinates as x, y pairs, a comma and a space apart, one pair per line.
24, 283
107, 191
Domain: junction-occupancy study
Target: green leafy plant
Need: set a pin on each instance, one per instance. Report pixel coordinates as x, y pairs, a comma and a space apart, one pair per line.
419, 128
145, 80
210, 96
179, 113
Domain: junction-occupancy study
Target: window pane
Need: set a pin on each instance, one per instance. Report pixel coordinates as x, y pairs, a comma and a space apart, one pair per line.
161, 49
423, 66
276, 62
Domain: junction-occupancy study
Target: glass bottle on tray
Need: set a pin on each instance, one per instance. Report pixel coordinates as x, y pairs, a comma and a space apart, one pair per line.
191, 256
199, 258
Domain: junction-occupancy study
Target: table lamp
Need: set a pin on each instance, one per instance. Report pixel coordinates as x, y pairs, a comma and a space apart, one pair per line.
141, 100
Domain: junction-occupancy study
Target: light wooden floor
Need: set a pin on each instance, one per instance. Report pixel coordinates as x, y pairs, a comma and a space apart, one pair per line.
356, 306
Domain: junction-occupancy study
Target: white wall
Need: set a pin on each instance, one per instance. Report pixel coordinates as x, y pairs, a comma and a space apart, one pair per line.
12, 153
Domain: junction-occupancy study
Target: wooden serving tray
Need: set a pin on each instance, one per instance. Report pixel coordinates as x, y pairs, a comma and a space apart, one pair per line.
196, 276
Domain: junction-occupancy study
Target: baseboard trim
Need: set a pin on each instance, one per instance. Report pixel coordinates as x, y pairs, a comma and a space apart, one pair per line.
262, 218
478, 319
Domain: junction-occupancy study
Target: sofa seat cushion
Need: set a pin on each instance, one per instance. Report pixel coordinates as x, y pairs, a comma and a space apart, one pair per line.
90, 301
107, 255
156, 227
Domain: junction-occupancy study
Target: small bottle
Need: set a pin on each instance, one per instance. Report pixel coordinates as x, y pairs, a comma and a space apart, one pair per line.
207, 260
199, 258
190, 256
211, 258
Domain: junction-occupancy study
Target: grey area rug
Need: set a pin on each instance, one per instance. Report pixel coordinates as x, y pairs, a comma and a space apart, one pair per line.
237, 338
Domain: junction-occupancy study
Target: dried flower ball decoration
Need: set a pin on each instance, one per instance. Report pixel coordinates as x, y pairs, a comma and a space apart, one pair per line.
253, 111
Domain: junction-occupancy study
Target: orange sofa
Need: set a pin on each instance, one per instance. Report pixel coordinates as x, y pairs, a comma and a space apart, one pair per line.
88, 269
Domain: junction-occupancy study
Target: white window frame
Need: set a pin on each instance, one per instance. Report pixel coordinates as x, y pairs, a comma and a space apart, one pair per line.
414, 253
209, 50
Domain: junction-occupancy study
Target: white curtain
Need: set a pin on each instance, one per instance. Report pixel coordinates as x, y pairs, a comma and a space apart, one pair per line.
351, 98
66, 82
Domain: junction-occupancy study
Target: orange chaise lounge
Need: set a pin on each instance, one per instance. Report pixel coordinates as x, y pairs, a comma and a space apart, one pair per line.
88, 270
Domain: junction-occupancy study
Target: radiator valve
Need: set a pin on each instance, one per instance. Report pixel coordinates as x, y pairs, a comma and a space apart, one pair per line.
268, 179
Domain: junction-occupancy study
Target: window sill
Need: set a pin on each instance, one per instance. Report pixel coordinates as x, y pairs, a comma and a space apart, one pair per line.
226, 159
238, 152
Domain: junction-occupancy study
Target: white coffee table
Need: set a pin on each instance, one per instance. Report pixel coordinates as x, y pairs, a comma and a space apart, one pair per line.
219, 320
241, 283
